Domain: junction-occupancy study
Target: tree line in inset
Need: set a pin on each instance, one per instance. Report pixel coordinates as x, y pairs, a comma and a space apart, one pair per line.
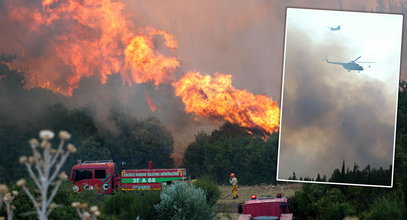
368, 175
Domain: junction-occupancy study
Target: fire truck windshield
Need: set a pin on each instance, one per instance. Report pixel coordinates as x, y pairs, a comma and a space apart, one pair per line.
82, 175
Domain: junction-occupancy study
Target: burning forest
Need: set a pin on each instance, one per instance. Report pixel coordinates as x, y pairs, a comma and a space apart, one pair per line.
84, 39
66, 42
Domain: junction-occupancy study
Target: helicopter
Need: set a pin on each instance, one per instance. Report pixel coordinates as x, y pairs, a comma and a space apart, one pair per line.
337, 28
352, 65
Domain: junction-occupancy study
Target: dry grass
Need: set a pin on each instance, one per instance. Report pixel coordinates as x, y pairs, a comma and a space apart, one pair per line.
227, 207
227, 216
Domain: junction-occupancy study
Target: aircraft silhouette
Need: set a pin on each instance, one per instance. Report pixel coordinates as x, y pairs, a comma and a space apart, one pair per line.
337, 28
352, 65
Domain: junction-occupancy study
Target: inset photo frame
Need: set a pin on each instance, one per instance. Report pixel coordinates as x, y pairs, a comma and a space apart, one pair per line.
339, 97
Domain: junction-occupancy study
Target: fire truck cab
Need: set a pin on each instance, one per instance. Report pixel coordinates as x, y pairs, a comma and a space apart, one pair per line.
94, 175
268, 208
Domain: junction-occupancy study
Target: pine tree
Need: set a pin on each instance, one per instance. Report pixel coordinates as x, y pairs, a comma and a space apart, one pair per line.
294, 177
343, 171
318, 178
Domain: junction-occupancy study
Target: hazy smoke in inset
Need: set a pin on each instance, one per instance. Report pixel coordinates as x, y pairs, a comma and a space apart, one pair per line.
331, 115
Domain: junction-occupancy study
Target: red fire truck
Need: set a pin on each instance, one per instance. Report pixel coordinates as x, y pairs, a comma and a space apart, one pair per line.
268, 208
103, 177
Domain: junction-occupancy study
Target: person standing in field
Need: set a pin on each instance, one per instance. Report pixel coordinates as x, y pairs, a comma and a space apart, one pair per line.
233, 182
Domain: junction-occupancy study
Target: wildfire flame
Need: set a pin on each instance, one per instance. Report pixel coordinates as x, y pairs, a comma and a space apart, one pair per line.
215, 97
86, 38
149, 102
145, 65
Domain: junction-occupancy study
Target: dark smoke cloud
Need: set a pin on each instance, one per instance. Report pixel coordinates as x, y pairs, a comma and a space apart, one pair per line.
331, 115
19, 106
114, 97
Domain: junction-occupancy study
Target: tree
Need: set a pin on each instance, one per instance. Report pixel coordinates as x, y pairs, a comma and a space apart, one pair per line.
343, 171
333, 205
194, 155
230, 149
318, 178
294, 177
210, 188
141, 141
132, 205
392, 205
92, 148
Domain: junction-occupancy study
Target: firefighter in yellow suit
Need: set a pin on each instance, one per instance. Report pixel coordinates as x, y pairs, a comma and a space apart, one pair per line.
233, 182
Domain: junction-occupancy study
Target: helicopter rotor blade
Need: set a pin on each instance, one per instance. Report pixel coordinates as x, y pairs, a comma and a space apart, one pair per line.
356, 59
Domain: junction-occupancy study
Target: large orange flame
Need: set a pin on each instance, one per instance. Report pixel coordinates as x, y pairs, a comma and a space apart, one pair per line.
209, 96
140, 58
84, 38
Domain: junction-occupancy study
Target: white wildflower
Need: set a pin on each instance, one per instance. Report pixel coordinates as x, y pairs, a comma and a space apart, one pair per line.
46, 135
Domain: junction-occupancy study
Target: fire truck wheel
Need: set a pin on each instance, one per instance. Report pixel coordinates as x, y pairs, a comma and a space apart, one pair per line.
75, 188
105, 186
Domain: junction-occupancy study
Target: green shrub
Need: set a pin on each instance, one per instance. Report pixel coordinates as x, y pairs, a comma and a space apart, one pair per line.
303, 203
129, 205
66, 196
23, 205
391, 206
181, 201
65, 212
333, 205
210, 188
